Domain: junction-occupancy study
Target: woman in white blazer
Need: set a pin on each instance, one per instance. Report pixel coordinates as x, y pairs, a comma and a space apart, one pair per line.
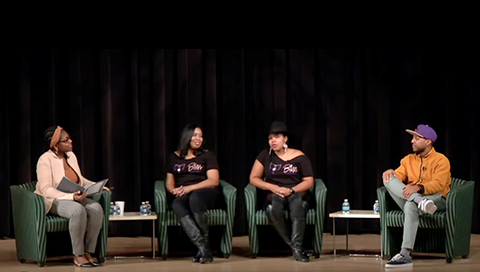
85, 214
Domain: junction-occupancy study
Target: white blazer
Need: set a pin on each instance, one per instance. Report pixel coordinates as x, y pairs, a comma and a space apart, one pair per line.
50, 172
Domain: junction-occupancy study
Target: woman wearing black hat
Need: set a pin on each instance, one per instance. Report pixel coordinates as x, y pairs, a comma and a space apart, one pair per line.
288, 177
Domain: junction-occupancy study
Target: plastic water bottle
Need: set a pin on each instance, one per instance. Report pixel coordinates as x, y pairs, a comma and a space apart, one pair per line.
149, 208
345, 206
143, 209
376, 207
116, 210
112, 208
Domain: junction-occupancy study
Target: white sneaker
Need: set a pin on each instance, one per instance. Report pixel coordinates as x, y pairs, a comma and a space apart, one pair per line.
427, 206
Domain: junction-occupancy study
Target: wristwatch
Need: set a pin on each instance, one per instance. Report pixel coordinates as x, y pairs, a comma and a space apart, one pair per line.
292, 191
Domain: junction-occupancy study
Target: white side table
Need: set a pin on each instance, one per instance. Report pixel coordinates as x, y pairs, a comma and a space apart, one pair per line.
134, 216
358, 214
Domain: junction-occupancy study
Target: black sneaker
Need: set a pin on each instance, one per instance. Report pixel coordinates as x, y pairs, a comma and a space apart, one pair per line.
400, 261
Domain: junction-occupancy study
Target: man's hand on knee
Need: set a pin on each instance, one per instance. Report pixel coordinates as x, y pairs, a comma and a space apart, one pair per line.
388, 175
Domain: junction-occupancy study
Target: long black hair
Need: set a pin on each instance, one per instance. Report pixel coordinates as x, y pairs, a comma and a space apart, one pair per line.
186, 137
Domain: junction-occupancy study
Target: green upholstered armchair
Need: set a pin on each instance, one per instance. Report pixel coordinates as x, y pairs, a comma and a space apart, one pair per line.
315, 216
446, 232
39, 235
216, 217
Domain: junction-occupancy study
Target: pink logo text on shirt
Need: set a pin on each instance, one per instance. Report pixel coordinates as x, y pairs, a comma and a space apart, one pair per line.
290, 169
194, 167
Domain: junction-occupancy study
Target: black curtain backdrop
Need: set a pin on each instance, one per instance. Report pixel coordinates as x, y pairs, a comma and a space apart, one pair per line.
347, 110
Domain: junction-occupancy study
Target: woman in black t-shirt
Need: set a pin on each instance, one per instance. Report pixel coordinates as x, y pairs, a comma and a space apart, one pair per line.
288, 178
193, 182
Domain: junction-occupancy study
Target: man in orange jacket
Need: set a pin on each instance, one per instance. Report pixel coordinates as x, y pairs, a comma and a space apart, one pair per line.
419, 185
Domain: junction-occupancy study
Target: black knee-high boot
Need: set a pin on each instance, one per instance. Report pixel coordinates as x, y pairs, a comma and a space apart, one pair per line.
306, 206
190, 227
298, 232
277, 220
202, 222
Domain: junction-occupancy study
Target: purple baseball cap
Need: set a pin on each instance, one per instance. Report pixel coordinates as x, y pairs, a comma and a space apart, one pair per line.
424, 131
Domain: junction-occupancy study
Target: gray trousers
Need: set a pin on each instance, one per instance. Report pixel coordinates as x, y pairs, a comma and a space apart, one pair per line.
410, 208
86, 219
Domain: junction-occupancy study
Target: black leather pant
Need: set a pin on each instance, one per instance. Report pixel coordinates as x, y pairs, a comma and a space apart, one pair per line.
197, 201
297, 204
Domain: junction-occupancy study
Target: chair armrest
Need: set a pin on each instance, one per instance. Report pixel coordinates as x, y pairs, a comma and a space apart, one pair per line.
104, 201
320, 199
230, 196
460, 209
160, 199
382, 201
250, 193
251, 199
29, 217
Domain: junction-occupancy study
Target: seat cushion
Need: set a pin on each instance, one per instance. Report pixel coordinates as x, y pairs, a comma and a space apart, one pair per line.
56, 223
217, 217
261, 217
427, 221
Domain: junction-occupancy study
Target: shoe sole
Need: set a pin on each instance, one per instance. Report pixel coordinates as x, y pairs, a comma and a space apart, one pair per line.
206, 261
399, 265
430, 208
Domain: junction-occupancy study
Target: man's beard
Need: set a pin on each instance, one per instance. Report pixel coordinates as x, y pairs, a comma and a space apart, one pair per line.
419, 151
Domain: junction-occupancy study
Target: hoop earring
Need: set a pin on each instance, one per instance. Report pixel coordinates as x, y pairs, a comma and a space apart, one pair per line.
285, 146
56, 150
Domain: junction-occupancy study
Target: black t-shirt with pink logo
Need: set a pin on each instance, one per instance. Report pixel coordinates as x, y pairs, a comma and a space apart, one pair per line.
191, 171
285, 173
